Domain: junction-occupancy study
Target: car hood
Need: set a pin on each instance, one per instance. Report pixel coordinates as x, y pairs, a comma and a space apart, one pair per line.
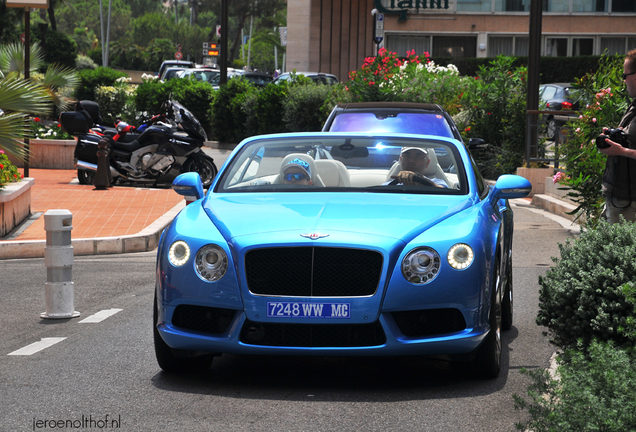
399, 216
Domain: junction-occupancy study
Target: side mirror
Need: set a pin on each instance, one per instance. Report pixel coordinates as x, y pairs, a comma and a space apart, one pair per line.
510, 186
477, 144
189, 185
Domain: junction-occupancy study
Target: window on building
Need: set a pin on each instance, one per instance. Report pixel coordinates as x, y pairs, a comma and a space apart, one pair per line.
623, 6
454, 46
474, 5
582, 46
589, 6
556, 47
613, 45
508, 45
400, 44
556, 6
631, 43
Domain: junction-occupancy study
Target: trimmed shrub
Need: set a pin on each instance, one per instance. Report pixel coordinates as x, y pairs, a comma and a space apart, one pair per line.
58, 48
583, 297
594, 392
263, 110
228, 119
90, 79
303, 108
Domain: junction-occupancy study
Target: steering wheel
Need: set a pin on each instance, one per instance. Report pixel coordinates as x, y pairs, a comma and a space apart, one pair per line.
420, 180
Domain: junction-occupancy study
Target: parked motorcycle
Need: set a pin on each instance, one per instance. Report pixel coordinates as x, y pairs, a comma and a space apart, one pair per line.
165, 149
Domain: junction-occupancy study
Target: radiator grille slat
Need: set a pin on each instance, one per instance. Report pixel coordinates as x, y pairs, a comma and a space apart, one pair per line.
313, 272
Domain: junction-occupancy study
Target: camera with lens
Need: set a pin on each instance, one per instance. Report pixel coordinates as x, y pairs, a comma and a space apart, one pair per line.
616, 135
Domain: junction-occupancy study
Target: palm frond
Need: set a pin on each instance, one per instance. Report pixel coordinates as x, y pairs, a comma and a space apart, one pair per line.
13, 129
17, 94
12, 57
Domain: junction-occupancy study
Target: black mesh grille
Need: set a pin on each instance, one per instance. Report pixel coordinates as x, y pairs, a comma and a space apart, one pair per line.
202, 319
313, 335
313, 272
429, 322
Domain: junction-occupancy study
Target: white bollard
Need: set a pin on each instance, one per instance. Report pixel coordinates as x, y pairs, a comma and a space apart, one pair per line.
58, 258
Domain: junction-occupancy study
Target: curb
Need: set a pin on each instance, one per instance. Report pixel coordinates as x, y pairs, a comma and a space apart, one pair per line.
144, 241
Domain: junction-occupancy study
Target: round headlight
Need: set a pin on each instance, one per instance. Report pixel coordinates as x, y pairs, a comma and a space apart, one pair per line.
179, 253
460, 256
211, 263
420, 266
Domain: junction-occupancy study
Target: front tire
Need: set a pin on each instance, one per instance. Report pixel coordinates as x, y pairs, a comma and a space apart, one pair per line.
507, 302
86, 177
487, 362
166, 357
204, 166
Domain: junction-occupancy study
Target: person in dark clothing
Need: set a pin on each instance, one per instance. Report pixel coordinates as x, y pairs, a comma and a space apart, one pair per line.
619, 178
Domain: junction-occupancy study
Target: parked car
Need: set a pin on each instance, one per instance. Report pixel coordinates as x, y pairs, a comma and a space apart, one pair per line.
350, 264
259, 79
317, 77
171, 72
174, 63
208, 75
398, 117
558, 97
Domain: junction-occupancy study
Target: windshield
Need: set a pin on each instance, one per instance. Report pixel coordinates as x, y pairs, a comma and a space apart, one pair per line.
344, 164
413, 123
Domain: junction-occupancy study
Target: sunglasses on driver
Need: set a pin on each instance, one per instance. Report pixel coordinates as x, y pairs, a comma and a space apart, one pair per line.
295, 177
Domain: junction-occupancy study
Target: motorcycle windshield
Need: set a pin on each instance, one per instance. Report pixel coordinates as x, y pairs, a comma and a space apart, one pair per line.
188, 121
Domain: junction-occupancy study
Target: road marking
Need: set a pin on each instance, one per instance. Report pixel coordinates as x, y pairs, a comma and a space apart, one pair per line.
100, 316
38, 346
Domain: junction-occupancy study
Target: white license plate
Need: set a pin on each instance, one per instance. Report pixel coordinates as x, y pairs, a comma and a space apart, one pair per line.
308, 310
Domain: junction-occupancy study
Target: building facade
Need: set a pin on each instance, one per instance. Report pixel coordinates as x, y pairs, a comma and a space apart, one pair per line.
334, 36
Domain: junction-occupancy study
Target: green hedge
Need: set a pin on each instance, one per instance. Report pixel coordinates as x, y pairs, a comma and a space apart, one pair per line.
90, 79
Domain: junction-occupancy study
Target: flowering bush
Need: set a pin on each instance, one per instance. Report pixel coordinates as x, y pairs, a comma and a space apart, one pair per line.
117, 101
584, 164
53, 131
494, 108
8, 172
386, 77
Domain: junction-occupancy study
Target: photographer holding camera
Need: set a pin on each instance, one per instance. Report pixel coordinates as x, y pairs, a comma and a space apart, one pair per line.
619, 178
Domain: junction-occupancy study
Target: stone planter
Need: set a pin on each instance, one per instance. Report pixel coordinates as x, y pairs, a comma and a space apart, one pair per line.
48, 154
536, 176
15, 204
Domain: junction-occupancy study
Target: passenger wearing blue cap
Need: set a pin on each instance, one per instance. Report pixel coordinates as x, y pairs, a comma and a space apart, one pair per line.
297, 172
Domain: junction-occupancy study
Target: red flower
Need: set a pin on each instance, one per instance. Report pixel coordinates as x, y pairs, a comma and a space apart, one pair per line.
1, 166
36, 119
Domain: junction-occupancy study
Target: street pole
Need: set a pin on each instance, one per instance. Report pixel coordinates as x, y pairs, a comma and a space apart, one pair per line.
534, 60
27, 75
224, 44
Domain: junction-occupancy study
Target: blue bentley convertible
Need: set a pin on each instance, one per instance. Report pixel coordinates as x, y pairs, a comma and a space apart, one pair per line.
339, 244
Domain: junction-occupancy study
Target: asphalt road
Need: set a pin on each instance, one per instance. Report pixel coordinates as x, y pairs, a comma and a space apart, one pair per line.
107, 368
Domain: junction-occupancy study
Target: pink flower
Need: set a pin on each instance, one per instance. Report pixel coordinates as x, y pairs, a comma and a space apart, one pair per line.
558, 177
594, 119
577, 130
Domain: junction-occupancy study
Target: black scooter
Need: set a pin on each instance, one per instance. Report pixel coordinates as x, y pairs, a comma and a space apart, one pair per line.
160, 153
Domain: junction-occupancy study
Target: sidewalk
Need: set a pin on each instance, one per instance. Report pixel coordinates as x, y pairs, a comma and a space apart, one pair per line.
118, 220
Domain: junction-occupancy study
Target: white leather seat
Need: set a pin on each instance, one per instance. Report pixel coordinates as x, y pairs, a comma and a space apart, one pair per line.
432, 170
333, 173
315, 177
